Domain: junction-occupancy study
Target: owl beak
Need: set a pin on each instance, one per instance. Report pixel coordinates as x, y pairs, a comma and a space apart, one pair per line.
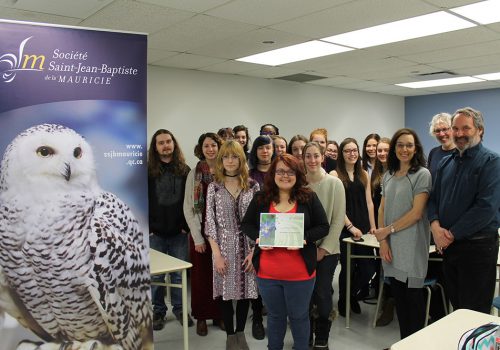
67, 172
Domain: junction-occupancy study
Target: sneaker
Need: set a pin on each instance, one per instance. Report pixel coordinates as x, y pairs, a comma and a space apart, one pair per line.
320, 344
158, 322
258, 331
179, 318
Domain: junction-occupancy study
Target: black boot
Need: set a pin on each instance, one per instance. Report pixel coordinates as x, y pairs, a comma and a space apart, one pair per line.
258, 331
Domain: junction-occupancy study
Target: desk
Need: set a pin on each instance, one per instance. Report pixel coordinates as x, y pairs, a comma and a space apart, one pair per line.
446, 332
162, 263
369, 240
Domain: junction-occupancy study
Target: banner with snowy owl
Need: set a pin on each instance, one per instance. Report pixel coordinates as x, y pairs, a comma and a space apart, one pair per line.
74, 266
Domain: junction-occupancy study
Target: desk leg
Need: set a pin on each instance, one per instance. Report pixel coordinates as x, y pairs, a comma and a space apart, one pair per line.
348, 288
184, 309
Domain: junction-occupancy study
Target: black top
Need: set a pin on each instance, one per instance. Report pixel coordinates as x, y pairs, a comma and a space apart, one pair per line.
356, 208
315, 226
166, 199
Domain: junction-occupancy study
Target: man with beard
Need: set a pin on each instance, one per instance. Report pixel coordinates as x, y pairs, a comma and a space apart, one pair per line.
167, 173
464, 211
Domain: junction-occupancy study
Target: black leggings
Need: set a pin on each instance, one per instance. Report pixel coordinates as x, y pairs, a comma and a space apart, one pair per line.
228, 313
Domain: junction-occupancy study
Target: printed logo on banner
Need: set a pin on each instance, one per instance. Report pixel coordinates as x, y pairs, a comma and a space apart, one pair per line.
64, 67
21, 62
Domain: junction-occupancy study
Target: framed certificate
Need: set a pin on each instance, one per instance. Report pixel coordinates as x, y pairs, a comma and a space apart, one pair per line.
284, 230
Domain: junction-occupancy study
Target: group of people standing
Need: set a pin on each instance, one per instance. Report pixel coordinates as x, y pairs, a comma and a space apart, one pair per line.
385, 188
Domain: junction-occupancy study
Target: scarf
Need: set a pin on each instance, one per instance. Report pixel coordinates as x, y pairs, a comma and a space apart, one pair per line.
202, 176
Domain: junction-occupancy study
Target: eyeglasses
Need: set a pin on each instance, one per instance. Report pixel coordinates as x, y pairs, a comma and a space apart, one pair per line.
438, 131
268, 133
350, 151
403, 145
281, 172
232, 157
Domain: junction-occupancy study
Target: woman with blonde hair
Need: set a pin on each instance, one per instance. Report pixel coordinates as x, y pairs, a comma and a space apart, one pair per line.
228, 198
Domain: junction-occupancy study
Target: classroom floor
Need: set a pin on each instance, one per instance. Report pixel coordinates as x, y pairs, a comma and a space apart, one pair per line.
360, 336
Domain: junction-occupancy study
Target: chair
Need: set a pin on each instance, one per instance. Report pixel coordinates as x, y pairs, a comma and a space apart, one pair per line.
428, 284
496, 302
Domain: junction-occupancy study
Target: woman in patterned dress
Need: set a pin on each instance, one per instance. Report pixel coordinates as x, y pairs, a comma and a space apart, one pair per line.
227, 201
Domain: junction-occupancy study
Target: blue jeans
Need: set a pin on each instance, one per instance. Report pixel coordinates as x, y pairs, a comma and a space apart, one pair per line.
282, 299
176, 246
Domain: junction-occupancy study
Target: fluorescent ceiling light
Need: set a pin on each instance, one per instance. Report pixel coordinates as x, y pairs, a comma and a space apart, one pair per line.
440, 82
415, 27
483, 12
489, 76
299, 52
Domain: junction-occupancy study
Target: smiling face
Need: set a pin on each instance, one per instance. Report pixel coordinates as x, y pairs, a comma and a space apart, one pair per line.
465, 134
382, 152
332, 151
443, 134
313, 159
284, 177
241, 137
210, 148
350, 153
405, 148
371, 148
280, 146
297, 147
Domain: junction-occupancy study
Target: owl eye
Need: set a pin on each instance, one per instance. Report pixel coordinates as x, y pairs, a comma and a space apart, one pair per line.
45, 151
77, 153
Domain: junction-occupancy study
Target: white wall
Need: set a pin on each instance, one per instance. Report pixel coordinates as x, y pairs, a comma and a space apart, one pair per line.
189, 103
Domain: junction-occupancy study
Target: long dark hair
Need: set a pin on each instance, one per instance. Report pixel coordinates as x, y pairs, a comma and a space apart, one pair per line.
341, 169
300, 193
418, 159
365, 156
198, 149
178, 161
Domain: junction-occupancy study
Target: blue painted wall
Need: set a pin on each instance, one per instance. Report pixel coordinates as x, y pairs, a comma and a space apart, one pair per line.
420, 109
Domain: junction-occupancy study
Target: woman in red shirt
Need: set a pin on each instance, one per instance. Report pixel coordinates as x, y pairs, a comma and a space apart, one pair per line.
286, 276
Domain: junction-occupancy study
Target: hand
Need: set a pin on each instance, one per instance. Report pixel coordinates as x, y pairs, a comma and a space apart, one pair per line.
263, 248
356, 232
442, 237
372, 230
220, 264
200, 248
247, 263
320, 254
381, 233
385, 251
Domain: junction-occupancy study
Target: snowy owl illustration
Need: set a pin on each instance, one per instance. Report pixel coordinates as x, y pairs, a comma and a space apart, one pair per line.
73, 265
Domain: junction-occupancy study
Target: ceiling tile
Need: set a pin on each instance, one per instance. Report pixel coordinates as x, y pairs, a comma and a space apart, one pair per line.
231, 67
188, 61
66, 8
249, 43
188, 5
272, 72
354, 15
21, 15
155, 55
265, 13
136, 17
468, 62
198, 31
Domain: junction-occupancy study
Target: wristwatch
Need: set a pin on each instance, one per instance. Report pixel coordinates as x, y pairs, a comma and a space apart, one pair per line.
392, 228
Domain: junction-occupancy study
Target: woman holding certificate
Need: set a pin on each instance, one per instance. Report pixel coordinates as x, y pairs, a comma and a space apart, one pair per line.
286, 276
331, 194
227, 201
